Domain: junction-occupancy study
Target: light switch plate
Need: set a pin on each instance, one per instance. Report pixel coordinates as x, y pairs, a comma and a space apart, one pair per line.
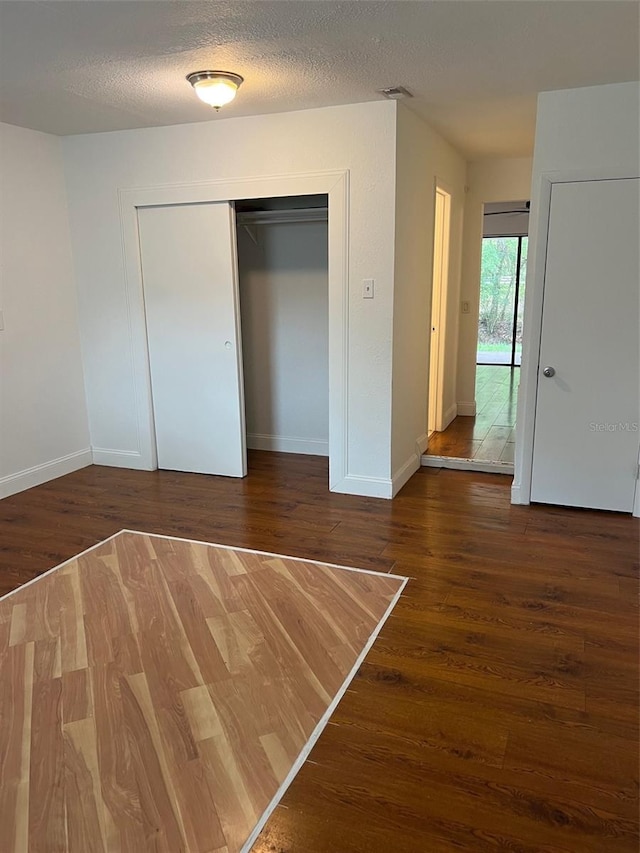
367, 288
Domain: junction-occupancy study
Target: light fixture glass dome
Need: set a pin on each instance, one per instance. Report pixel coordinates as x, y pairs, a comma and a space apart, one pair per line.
215, 88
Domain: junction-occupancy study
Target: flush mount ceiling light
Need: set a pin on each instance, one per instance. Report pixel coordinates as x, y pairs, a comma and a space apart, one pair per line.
215, 88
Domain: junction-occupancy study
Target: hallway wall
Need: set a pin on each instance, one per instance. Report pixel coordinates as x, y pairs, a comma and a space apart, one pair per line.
422, 156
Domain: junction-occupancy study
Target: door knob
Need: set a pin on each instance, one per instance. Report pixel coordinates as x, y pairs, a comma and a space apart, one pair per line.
549, 372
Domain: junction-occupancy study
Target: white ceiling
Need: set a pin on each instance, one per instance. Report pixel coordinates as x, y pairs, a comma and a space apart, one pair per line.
475, 66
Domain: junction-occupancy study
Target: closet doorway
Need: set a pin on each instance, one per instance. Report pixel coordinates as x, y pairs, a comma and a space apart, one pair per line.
282, 246
236, 310
135, 201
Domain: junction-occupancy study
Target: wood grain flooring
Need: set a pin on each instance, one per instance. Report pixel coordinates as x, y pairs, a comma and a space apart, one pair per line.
490, 435
156, 693
498, 708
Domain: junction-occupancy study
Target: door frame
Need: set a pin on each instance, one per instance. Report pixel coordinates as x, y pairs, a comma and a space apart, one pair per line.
336, 186
532, 325
439, 293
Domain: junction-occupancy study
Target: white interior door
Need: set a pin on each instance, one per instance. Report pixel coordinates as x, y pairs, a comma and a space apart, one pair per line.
189, 271
586, 427
442, 220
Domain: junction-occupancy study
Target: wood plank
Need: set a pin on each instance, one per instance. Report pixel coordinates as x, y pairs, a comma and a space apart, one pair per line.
83, 829
16, 674
47, 826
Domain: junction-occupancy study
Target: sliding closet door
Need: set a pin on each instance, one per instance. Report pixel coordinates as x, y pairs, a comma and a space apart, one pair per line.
191, 303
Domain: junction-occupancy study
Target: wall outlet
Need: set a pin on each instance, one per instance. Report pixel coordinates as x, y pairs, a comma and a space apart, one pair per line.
367, 288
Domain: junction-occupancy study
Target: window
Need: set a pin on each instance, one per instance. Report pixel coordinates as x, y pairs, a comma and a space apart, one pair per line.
502, 287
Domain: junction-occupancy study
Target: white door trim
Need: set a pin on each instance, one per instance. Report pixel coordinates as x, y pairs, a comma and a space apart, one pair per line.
336, 186
440, 304
532, 331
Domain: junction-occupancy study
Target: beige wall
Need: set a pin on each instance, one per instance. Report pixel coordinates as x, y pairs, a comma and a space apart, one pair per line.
422, 156
488, 180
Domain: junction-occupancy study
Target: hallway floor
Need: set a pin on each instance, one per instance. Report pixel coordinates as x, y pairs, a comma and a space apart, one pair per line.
490, 435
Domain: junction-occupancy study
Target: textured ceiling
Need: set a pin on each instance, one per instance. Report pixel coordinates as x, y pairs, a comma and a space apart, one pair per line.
475, 66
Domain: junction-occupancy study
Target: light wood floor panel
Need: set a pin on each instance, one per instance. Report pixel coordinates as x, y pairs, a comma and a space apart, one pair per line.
155, 693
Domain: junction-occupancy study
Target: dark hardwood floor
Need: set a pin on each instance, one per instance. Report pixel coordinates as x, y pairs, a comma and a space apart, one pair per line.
498, 709
489, 436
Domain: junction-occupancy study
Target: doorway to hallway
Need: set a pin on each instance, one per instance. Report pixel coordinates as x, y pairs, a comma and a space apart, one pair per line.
489, 436
485, 435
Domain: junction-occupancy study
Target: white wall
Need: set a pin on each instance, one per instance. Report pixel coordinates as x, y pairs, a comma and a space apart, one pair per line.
593, 128
43, 420
360, 138
284, 306
422, 156
580, 133
487, 181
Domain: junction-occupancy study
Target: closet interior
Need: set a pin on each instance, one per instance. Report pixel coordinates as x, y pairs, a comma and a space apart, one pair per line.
282, 248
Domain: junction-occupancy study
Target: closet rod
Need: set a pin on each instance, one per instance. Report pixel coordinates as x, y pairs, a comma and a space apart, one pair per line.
280, 217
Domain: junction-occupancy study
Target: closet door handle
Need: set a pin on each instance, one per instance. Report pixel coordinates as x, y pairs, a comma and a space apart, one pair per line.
227, 344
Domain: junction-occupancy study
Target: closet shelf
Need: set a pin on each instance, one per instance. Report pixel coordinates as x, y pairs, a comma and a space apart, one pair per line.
280, 217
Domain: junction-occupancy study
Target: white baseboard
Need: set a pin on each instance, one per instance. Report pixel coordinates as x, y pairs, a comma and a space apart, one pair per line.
467, 464
404, 473
119, 458
287, 444
379, 487
467, 409
367, 487
421, 443
517, 496
30, 477
449, 416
